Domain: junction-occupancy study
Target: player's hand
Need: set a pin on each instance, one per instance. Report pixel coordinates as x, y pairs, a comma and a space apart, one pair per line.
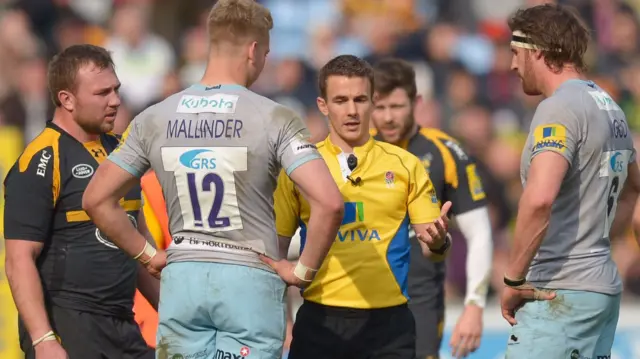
157, 263
284, 269
467, 333
51, 349
513, 299
436, 233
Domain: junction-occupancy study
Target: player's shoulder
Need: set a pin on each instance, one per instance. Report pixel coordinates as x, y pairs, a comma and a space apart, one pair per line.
447, 144
41, 149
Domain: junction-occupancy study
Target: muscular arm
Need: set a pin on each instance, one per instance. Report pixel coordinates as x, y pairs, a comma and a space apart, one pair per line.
545, 177
325, 201
26, 287
100, 201
148, 285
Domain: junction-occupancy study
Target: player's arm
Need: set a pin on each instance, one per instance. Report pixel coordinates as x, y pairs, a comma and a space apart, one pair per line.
555, 138
112, 180
627, 203
30, 193
286, 204
472, 217
306, 168
148, 285
424, 212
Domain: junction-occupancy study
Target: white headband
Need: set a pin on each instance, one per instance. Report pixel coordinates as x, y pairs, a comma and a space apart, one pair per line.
522, 40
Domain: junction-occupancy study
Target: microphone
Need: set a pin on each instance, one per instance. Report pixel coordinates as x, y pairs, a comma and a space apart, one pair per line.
352, 162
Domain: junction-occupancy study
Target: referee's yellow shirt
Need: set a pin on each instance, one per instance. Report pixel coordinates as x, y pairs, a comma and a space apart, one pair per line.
368, 264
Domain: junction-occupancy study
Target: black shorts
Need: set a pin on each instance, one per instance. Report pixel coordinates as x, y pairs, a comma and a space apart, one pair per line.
91, 336
322, 332
429, 328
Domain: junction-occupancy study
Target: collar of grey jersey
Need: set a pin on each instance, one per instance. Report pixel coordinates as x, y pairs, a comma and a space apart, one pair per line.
202, 87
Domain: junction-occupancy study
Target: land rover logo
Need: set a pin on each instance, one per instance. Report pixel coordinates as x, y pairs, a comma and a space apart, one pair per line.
82, 171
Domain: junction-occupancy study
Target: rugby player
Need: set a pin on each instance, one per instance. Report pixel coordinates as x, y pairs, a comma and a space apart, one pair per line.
72, 286
356, 307
217, 149
454, 177
577, 163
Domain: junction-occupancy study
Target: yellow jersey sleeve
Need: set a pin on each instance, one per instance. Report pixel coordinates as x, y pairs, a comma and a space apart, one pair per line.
287, 206
422, 202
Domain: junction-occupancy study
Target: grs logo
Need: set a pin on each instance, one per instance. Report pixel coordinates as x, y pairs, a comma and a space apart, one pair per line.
82, 171
218, 103
178, 239
42, 165
198, 159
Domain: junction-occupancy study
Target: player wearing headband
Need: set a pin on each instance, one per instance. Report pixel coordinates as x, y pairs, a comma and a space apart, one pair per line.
580, 186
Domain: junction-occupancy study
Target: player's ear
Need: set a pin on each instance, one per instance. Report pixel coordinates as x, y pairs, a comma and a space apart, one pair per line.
253, 51
418, 101
67, 100
322, 106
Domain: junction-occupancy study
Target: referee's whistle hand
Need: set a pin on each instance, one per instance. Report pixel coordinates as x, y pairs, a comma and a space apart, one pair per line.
435, 234
284, 269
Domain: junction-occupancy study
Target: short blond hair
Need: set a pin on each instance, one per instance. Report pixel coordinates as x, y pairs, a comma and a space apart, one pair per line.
236, 21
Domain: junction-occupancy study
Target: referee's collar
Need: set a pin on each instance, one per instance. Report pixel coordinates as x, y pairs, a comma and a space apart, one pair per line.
359, 151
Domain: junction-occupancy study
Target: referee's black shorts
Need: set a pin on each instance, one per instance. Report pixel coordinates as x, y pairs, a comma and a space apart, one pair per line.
91, 336
323, 332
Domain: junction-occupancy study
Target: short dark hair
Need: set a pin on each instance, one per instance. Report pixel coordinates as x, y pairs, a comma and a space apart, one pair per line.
393, 73
344, 65
64, 67
558, 31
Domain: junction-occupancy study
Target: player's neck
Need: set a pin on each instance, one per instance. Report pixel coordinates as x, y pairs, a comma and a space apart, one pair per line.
224, 71
64, 120
553, 80
346, 145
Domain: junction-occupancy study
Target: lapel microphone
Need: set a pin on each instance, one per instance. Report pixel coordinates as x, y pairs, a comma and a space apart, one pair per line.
352, 162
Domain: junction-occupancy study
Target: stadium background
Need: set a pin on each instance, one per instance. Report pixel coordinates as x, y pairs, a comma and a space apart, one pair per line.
460, 49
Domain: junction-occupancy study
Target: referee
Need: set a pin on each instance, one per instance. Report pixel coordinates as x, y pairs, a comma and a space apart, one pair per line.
73, 288
578, 166
356, 306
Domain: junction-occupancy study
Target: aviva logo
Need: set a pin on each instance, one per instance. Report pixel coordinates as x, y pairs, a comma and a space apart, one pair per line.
354, 213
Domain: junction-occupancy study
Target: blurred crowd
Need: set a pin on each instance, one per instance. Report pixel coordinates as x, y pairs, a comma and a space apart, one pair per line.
460, 50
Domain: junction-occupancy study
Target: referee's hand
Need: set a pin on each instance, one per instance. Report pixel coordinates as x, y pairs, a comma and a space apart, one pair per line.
436, 233
284, 269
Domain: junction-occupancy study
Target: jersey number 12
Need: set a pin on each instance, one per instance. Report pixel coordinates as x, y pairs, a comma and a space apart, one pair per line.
205, 185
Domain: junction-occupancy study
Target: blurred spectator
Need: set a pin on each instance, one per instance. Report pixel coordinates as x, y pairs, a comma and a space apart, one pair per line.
142, 58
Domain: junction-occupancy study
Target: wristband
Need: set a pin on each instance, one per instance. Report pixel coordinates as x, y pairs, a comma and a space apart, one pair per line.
301, 271
149, 251
444, 247
48, 336
514, 283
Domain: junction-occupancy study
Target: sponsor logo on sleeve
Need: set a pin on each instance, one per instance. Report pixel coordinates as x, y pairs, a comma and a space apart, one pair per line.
552, 137
300, 145
475, 184
218, 103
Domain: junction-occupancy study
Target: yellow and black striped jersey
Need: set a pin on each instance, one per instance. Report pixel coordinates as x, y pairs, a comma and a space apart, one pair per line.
80, 268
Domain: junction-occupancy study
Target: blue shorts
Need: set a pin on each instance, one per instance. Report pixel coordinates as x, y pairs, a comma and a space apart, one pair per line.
212, 310
574, 325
